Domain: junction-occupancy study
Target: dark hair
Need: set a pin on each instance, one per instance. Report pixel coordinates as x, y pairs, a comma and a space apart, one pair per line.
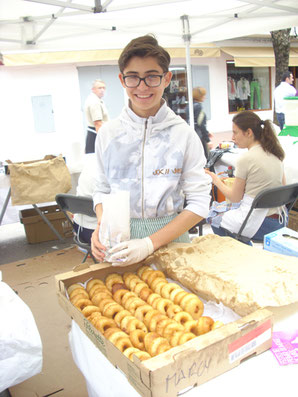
145, 46
265, 135
286, 75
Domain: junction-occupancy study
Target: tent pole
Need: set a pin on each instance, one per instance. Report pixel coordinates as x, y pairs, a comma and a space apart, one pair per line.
186, 37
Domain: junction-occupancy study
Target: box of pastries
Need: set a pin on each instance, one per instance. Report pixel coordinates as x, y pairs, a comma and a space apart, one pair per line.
155, 322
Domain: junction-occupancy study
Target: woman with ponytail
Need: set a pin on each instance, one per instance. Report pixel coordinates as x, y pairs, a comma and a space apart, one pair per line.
260, 168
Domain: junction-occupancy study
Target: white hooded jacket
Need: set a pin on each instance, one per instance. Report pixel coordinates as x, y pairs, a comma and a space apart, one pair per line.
159, 160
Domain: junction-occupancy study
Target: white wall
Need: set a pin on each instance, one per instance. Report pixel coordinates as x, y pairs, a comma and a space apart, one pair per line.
19, 141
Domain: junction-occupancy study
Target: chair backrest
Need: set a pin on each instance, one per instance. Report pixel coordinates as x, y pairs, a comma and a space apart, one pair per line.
75, 204
271, 198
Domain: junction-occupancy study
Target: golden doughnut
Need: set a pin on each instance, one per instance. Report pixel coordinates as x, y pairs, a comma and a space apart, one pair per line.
98, 288
141, 311
175, 292
88, 310
173, 310
171, 328
118, 286
193, 305
94, 317
78, 297
146, 274
182, 317
134, 304
152, 297
129, 324
156, 281
162, 304
205, 324
124, 322
155, 274
179, 296
149, 315
155, 320
155, 344
111, 309
181, 337
130, 351
114, 333
186, 337
142, 269
104, 302
191, 326
119, 294
104, 323
174, 339
93, 282
123, 344
98, 297
161, 324
158, 285
217, 324
168, 288
81, 303
73, 287
78, 291
142, 355
128, 295
130, 279
137, 338
131, 300
119, 316
112, 279
145, 292
137, 288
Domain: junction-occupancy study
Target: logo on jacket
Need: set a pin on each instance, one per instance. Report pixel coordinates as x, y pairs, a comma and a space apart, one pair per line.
167, 171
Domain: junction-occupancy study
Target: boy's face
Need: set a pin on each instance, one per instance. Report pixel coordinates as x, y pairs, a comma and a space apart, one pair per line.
145, 101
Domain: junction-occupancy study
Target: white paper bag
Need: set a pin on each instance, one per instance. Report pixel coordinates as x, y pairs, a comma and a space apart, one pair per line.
115, 221
20, 343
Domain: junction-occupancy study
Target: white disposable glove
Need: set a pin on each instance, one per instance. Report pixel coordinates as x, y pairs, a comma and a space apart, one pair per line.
131, 251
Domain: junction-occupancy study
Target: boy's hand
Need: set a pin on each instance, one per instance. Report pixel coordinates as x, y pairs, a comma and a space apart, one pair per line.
132, 251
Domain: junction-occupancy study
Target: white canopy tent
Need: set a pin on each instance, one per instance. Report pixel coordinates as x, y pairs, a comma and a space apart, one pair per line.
30, 26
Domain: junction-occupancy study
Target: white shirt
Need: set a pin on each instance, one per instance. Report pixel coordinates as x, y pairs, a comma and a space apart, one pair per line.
283, 90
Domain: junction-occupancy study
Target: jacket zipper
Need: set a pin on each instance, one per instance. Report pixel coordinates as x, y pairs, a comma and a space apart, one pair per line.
143, 149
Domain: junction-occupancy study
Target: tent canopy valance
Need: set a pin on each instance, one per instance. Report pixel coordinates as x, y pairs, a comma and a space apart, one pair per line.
257, 56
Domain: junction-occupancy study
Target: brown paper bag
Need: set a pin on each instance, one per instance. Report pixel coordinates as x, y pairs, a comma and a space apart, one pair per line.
38, 181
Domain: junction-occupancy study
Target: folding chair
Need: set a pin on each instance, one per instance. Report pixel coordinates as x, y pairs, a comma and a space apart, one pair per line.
269, 198
77, 205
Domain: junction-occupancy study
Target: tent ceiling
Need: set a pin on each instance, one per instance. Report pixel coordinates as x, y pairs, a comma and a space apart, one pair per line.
53, 25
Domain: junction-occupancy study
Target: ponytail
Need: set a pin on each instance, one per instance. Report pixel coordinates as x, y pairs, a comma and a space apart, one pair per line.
263, 132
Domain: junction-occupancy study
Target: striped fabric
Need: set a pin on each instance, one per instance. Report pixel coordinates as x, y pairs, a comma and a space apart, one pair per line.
140, 228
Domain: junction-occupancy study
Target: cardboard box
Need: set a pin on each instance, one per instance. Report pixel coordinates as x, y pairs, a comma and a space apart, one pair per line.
184, 366
293, 220
280, 242
36, 228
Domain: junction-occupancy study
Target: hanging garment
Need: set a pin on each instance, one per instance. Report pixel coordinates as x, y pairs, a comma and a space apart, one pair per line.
255, 91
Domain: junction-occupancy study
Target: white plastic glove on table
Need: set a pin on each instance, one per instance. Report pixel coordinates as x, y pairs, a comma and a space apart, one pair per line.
130, 252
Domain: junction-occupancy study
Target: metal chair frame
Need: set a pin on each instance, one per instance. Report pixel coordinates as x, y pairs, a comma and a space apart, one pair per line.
77, 205
269, 198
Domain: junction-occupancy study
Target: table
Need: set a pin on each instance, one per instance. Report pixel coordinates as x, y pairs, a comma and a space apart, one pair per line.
258, 376
288, 143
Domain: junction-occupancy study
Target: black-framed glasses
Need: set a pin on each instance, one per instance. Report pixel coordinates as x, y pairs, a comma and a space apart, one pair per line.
152, 80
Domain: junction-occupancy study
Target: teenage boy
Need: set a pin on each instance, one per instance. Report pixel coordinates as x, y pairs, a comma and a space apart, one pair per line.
152, 153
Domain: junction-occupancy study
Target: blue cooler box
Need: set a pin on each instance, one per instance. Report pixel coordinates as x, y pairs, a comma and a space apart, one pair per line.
283, 241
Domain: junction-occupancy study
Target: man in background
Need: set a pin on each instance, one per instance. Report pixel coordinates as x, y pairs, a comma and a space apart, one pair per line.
284, 89
96, 113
